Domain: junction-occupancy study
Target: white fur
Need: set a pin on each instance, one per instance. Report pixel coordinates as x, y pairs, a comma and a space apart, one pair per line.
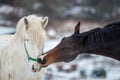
14, 64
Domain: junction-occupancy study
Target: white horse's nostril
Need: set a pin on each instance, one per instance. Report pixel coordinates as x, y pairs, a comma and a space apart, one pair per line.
33, 67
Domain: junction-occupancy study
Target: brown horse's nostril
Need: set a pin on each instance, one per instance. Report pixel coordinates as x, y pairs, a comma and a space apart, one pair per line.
41, 61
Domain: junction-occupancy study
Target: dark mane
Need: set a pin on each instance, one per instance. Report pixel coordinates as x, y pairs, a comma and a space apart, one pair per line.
98, 36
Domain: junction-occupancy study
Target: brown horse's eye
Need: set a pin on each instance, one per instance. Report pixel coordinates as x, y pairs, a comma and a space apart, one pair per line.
63, 39
39, 60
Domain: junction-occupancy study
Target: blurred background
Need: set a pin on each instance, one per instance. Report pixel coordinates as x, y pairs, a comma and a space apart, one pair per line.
63, 16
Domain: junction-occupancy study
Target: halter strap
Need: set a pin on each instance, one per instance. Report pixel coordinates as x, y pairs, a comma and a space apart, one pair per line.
29, 58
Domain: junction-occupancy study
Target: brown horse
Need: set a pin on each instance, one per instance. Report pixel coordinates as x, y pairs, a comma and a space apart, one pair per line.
102, 41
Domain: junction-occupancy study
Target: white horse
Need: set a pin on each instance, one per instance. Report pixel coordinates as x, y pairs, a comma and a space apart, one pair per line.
19, 52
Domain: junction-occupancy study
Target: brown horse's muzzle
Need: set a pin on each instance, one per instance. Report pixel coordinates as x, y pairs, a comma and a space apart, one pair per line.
57, 56
47, 59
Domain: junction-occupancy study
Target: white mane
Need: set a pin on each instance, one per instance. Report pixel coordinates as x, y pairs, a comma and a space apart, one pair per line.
14, 64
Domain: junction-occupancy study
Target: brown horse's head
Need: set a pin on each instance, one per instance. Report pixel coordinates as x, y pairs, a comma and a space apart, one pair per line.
66, 50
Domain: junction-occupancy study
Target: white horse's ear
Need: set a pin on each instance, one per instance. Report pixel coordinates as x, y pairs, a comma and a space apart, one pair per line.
26, 23
45, 21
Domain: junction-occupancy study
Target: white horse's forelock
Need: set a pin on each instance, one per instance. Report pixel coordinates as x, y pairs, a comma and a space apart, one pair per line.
14, 64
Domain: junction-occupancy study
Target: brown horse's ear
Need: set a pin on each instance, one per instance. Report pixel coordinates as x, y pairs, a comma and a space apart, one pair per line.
77, 28
26, 23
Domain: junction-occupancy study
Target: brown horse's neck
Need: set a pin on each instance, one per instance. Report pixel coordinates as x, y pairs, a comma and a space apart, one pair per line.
104, 41
105, 51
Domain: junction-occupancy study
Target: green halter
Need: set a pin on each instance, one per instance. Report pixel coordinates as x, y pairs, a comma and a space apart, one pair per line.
29, 58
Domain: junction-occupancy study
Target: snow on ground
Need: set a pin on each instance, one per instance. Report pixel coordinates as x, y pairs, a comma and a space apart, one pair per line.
6, 30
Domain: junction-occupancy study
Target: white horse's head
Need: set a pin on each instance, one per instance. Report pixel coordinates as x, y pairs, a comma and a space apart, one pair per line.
31, 29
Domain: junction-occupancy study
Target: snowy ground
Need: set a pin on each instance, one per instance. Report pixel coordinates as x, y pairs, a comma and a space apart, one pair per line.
6, 30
